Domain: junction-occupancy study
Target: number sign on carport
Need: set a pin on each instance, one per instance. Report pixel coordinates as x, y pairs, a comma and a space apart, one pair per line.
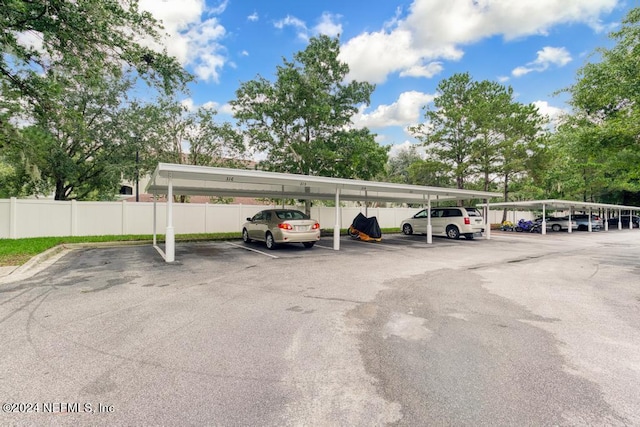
176, 179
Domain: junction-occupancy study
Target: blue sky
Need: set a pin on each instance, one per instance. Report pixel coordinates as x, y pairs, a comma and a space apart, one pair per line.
404, 47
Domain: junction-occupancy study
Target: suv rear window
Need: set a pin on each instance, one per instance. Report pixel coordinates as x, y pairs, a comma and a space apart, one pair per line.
473, 212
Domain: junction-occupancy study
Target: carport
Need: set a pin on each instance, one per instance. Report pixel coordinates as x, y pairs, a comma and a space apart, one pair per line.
176, 179
567, 205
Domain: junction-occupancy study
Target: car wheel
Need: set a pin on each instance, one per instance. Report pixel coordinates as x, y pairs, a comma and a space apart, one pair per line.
406, 229
556, 227
453, 232
270, 242
583, 227
245, 236
309, 245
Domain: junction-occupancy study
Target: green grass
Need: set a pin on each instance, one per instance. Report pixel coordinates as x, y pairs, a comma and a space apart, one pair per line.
19, 251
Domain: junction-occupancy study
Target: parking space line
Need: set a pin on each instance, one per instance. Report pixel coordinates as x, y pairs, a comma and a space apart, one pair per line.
324, 247
251, 249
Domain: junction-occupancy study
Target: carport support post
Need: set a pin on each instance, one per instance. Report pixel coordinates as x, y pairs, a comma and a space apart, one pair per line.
154, 219
619, 219
606, 221
336, 227
170, 238
429, 228
487, 220
590, 227
544, 219
630, 219
570, 230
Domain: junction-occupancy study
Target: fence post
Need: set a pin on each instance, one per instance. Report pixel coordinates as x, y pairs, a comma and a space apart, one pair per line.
124, 218
206, 205
74, 217
12, 218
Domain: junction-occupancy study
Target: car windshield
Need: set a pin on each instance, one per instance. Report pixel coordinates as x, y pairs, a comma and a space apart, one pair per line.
289, 214
473, 212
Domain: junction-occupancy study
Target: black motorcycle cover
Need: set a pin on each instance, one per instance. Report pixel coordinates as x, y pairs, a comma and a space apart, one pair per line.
368, 226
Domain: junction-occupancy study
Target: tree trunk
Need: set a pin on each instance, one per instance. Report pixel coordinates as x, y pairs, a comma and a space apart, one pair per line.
59, 195
506, 196
307, 203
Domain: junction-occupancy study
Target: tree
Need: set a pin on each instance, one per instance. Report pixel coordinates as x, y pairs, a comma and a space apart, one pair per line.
398, 165
449, 131
98, 36
522, 138
65, 74
604, 133
490, 112
170, 132
429, 172
76, 148
478, 131
302, 121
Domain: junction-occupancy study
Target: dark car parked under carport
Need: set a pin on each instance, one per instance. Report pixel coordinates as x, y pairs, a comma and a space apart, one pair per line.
613, 222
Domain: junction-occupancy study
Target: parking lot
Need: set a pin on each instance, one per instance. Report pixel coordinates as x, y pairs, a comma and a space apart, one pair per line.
522, 329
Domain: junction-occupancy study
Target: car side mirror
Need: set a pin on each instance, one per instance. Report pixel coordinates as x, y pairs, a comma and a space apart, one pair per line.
249, 219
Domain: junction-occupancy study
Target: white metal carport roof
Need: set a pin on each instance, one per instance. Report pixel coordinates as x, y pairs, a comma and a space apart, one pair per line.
173, 179
569, 205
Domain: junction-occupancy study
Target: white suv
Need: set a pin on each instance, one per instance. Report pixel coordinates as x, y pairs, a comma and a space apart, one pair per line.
451, 222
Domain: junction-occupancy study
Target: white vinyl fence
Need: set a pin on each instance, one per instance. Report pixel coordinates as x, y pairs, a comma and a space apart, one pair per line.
39, 218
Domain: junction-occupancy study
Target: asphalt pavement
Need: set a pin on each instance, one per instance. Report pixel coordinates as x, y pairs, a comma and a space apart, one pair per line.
518, 330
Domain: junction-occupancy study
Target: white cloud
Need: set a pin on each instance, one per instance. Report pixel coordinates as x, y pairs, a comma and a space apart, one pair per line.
191, 106
219, 9
298, 24
405, 111
503, 79
436, 30
406, 146
31, 40
521, 71
253, 17
328, 25
211, 105
548, 56
554, 114
226, 109
193, 40
429, 70
188, 104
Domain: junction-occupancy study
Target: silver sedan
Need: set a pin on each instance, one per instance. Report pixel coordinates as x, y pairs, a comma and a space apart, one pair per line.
274, 226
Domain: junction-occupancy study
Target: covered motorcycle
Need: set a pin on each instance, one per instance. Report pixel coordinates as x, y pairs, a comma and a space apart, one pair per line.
366, 229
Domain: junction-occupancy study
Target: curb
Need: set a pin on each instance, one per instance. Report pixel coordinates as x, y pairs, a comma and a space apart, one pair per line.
36, 264
37, 259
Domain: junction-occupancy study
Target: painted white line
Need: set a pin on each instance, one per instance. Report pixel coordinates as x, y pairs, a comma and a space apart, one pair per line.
324, 247
251, 249
161, 252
